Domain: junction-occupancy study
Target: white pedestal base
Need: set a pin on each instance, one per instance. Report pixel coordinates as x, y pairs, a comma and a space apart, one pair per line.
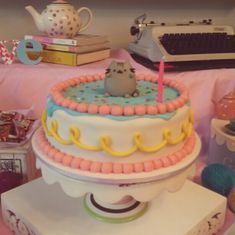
40, 209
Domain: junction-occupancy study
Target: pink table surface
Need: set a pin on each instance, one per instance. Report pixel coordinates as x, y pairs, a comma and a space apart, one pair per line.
23, 86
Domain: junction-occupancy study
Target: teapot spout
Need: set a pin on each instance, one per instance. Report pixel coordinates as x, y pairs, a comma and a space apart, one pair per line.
36, 17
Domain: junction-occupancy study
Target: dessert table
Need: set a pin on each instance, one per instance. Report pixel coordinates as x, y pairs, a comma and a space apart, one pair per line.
26, 87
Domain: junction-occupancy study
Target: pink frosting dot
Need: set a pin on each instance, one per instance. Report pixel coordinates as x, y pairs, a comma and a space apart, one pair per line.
73, 105
139, 167
46, 149
174, 159
176, 103
65, 102
90, 78
96, 166
58, 100
82, 108
57, 95
188, 149
76, 81
52, 152
75, 163
117, 168
63, 85
72, 82
148, 78
181, 101
83, 79
148, 166
161, 108
185, 97
128, 168
170, 107
166, 161
85, 165
97, 77
107, 167
179, 155
116, 110
183, 152
60, 87
55, 88
158, 164
58, 156
140, 110
93, 109
66, 161
104, 109
152, 109
128, 110
173, 83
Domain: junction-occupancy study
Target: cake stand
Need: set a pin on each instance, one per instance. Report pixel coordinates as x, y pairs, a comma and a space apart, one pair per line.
116, 198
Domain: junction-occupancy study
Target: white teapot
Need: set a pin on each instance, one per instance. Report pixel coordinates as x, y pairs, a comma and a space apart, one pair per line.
60, 19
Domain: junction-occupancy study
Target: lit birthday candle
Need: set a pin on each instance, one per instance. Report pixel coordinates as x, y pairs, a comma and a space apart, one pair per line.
160, 82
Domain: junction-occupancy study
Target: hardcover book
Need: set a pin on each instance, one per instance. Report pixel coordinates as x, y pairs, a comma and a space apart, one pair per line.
77, 49
81, 39
68, 58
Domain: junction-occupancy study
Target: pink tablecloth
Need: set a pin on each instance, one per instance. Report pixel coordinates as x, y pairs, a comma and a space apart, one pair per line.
23, 86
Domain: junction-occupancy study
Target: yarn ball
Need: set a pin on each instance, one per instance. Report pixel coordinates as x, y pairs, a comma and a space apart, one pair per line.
218, 178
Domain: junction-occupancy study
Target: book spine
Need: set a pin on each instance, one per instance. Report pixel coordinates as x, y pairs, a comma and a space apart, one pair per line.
45, 39
57, 47
56, 57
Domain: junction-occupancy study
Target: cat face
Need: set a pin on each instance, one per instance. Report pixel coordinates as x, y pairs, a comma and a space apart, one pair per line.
119, 70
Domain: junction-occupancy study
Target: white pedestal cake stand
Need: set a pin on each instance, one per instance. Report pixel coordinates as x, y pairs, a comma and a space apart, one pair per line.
116, 198
37, 208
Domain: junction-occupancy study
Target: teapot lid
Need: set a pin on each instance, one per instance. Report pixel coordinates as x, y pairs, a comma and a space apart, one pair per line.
59, 2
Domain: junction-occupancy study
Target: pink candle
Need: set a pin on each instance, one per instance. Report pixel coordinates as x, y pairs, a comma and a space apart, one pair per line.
160, 82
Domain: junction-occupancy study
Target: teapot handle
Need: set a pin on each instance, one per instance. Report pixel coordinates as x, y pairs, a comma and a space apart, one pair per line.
89, 20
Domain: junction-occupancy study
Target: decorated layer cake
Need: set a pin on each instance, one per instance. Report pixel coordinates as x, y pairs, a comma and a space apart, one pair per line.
117, 124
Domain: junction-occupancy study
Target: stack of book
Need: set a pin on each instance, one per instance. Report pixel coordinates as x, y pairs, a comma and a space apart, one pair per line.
82, 49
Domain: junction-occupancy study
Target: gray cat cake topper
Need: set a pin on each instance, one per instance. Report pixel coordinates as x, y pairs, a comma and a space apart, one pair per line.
120, 80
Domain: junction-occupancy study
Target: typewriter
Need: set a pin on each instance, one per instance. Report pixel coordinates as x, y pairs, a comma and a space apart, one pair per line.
185, 46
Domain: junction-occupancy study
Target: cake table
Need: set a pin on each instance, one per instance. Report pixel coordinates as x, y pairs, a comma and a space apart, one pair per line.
112, 193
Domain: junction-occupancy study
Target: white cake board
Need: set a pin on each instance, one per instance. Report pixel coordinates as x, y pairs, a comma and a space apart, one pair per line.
46, 210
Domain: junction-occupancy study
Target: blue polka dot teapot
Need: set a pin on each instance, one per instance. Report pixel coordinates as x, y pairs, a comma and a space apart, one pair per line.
60, 19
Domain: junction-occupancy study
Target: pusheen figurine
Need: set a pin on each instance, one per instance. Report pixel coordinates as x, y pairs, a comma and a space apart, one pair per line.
120, 80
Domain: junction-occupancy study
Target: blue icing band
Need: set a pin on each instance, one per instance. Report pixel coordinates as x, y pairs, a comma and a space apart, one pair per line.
94, 93
52, 107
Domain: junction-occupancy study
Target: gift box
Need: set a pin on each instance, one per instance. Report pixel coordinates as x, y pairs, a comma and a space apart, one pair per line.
16, 129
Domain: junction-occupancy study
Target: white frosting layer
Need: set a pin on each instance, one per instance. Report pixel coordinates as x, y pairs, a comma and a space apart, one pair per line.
220, 136
121, 134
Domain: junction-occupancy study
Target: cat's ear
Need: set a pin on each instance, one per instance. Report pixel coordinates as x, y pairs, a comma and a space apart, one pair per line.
113, 63
128, 64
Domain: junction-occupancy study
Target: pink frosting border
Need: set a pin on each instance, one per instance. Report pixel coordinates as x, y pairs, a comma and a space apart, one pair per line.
111, 167
117, 110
